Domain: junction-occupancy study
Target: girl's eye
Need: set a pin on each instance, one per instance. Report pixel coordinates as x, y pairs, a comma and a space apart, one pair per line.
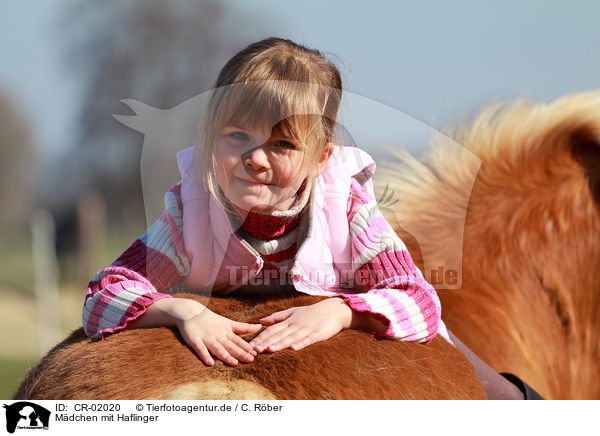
285, 144
239, 135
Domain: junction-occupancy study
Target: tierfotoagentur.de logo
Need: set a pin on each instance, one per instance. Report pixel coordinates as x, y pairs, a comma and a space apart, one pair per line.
26, 415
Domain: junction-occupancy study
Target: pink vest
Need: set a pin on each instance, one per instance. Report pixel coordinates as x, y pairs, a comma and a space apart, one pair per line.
221, 261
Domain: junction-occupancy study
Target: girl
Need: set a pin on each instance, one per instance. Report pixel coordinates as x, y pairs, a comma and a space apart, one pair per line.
265, 196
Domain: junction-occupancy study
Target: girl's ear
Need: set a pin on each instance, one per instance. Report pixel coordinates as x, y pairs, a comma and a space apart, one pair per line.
324, 157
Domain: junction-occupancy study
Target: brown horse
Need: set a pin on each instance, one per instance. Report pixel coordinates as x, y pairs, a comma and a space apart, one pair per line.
155, 364
530, 296
528, 299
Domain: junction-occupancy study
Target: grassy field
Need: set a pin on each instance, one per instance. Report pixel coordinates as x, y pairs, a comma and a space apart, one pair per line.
19, 348
13, 371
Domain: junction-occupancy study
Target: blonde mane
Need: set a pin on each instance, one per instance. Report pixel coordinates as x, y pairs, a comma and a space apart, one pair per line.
527, 231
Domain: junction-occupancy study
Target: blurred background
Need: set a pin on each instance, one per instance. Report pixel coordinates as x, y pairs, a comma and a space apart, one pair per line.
70, 173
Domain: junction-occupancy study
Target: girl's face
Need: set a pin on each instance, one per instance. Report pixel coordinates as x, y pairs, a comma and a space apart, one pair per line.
257, 171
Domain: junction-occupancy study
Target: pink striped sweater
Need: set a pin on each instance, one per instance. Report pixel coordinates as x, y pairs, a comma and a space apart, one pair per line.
388, 285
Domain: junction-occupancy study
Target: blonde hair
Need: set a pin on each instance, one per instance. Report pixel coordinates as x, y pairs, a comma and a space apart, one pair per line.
294, 89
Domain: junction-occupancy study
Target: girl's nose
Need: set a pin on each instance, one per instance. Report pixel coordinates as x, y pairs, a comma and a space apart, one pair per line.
256, 158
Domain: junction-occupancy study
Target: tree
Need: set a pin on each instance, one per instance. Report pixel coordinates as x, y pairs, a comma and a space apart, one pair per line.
17, 167
158, 52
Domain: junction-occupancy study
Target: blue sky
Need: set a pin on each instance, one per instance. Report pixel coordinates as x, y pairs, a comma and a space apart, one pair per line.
427, 60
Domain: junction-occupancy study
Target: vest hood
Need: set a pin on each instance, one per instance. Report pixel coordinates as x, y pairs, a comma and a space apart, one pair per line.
221, 261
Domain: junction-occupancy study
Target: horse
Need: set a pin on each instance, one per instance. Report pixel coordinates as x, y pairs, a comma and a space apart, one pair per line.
524, 233
155, 363
530, 252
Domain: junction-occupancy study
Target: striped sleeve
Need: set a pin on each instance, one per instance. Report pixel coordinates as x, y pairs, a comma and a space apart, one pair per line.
389, 285
155, 262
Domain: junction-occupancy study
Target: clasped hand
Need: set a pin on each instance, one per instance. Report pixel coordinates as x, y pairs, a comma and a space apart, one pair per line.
299, 327
210, 334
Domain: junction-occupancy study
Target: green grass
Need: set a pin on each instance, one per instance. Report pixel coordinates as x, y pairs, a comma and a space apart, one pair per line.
17, 264
17, 276
12, 372
17, 260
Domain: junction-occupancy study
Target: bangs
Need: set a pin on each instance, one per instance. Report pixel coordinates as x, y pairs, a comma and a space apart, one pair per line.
288, 109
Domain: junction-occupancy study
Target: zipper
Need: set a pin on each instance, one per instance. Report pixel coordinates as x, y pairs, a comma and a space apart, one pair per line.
259, 260
309, 226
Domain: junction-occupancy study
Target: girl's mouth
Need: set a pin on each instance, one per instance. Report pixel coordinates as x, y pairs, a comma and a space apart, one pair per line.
252, 182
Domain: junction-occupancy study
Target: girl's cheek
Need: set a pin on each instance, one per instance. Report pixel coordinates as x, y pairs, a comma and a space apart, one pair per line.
225, 161
288, 172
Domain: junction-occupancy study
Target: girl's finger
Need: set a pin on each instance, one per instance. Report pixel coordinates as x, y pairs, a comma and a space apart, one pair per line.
276, 338
288, 340
242, 344
236, 351
221, 353
202, 352
243, 327
276, 317
258, 343
304, 342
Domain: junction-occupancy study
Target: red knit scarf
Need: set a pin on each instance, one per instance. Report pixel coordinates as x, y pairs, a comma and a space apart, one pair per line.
273, 234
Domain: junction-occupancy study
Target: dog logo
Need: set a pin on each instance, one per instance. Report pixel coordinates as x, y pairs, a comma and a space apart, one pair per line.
26, 415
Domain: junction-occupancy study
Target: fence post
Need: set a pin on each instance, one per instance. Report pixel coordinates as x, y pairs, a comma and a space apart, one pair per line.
91, 219
47, 298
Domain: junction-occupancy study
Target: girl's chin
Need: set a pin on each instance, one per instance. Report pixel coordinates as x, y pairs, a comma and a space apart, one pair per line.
246, 205
250, 200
